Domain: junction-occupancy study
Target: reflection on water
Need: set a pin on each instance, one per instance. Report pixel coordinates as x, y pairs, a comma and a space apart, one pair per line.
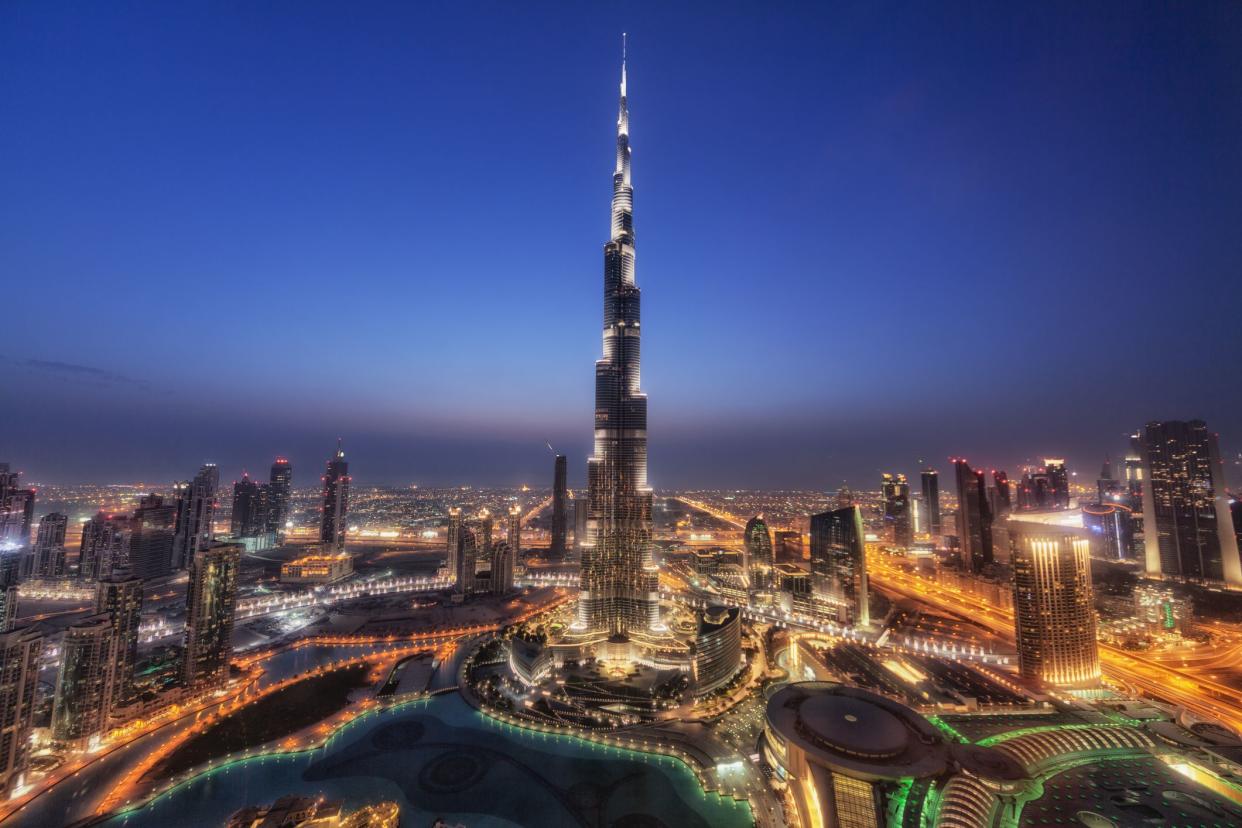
442, 758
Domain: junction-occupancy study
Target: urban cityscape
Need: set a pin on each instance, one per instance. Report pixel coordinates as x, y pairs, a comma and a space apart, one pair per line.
938, 643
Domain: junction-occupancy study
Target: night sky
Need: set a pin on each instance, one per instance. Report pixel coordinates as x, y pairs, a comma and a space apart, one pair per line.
868, 235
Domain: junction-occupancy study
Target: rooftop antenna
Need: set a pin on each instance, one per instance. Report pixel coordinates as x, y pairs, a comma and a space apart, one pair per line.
549, 445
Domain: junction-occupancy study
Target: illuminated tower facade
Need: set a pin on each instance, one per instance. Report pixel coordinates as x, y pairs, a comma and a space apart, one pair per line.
335, 506
974, 518
839, 565
49, 548
281, 484
120, 598
514, 535
1054, 612
210, 602
896, 492
760, 559
619, 591
20, 651
196, 508
1187, 524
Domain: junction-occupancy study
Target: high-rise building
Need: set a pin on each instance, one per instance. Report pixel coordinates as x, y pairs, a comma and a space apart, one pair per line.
84, 687
931, 499
467, 557
119, 596
48, 555
248, 518
1002, 502
717, 648
1187, 524
1054, 612
105, 546
453, 545
759, 555
281, 487
210, 602
335, 508
1108, 487
560, 507
514, 534
619, 580
196, 509
974, 518
151, 538
20, 651
1059, 479
16, 509
502, 568
1112, 530
839, 564
845, 497
895, 492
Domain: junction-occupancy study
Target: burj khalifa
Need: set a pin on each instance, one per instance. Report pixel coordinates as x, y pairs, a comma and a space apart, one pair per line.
619, 587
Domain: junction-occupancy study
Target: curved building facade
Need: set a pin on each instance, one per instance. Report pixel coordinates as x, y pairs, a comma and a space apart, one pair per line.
619, 586
1054, 612
718, 648
759, 557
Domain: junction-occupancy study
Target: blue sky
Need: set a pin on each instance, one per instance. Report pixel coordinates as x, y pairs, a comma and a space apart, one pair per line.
868, 234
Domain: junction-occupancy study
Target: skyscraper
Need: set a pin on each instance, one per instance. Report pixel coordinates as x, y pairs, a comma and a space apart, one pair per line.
19, 682
619, 580
1059, 479
1187, 523
49, 546
896, 494
760, 559
1002, 504
582, 512
119, 596
502, 568
196, 508
560, 507
514, 534
974, 518
453, 545
105, 545
467, 558
210, 601
839, 564
1054, 613
281, 485
335, 508
247, 518
151, 540
84, 686
931, 498
16, 509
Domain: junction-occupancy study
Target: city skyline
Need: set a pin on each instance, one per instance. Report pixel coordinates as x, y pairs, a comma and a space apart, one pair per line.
942, 178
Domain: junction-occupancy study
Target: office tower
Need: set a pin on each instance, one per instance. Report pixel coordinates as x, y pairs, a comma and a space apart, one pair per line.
1054, 612
1112, 530
1108, 487
210, 601
246, 520
105, 546
84, 687
119, 596
335, 508
895, 491
560, 516
467, 557
974, 518
619, 583
1133, 466
931, 499
20, 651
1002, 503
788, 545
1186, 519
582, 512
514, 534
717, 648
49, 546
839, 564
151, 538
16, 508
453, 545
196, 509
502, 568
759, 556
281, 488
1059, 480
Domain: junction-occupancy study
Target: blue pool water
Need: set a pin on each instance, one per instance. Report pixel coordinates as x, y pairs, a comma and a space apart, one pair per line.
442, 758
